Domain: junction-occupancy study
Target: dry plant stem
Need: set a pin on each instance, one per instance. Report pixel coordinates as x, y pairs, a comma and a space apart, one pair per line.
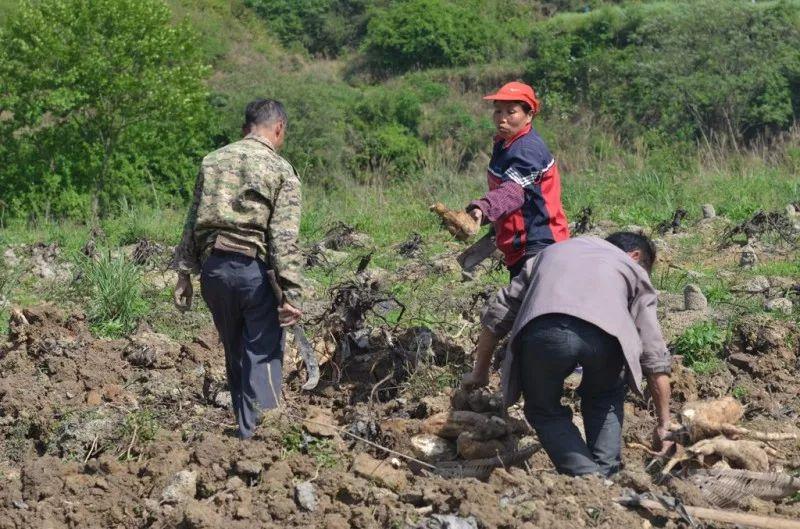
731, 517
91, 450
639, 446
133, 439
376, 386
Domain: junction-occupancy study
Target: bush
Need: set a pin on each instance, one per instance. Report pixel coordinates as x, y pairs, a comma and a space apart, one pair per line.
113, 286
103, 101
700, 345
392, 150
324, 27
424, 33
687, 69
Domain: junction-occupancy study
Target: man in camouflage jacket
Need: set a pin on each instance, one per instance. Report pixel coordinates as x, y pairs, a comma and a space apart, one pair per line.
243, 226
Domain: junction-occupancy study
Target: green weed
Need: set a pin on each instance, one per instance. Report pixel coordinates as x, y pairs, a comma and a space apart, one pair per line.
740, 392
294, 440
113, 290
700, 345
718, 292
138, 428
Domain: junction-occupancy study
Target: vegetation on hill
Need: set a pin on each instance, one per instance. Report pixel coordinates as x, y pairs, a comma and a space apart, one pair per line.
648, 105
685, 70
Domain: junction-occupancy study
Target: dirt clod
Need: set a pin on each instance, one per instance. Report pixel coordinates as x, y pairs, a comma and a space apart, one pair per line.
181, 488
306, 496
381, 472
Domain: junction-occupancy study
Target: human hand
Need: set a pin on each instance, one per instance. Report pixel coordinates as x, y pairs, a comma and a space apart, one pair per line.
476, 214
661, 439
183, 292
288, 315
475, 379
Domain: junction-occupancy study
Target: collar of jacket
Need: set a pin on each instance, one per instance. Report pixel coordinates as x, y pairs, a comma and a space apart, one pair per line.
526, 129
260, 139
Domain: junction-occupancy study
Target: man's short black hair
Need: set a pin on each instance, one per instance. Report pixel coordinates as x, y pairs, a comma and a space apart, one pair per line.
264, 112
628, 241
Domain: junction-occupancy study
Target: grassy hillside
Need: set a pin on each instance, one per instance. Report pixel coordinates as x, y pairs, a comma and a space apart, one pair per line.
427, 128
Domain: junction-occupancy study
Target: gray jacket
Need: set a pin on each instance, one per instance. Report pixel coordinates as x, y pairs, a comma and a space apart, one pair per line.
591, 279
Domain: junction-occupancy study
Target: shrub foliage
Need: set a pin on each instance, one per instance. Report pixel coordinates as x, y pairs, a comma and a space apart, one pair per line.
689, 70
103, 101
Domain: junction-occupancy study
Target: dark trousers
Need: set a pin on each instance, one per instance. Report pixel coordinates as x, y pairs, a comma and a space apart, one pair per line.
549, 349
516, 268
245, 311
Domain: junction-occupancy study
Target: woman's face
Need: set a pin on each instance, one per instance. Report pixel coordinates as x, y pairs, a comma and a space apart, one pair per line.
510, 118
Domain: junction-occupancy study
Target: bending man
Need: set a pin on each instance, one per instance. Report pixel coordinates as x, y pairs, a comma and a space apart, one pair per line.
243, 226
584, 301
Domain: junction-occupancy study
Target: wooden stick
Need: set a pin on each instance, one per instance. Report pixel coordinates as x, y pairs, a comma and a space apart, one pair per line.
732, 517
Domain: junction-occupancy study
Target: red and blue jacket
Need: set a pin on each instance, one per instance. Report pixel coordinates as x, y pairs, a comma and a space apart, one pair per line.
524, 198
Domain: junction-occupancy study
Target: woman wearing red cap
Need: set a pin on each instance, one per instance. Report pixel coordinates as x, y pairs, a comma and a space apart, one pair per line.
524, 199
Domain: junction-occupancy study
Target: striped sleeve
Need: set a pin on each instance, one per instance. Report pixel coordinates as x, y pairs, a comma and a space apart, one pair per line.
525, 173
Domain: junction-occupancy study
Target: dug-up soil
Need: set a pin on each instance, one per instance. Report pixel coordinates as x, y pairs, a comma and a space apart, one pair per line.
79, 449
138, 433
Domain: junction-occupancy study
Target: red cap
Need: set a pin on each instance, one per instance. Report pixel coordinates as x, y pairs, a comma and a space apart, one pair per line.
516, 91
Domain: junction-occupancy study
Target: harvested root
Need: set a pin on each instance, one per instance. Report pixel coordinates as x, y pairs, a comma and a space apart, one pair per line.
742, 454
432, 448
705, 419
17, 317
459, 223
450, 424
470, 448
730, 430
479, 400
478, 468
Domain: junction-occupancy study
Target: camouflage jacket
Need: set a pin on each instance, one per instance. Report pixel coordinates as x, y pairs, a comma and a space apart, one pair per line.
249, 197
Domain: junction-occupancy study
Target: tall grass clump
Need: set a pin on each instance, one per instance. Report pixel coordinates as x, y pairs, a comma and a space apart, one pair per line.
114, 290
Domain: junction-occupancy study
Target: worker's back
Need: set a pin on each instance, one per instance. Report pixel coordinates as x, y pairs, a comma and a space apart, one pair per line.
591, 279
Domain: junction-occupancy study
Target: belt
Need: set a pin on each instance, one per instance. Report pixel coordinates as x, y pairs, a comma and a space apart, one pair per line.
224, 245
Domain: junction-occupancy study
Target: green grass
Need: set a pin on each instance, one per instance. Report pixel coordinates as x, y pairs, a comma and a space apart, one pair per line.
113, 290
740, 392
789, 268
646, 198
144, 222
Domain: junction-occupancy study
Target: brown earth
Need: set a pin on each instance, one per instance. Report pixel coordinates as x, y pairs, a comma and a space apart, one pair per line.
72, 459
135, 433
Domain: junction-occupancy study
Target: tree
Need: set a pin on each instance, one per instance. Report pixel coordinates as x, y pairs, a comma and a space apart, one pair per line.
102, 101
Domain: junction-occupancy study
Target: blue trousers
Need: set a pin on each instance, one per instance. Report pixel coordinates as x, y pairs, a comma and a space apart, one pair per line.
245, 310
549, 349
